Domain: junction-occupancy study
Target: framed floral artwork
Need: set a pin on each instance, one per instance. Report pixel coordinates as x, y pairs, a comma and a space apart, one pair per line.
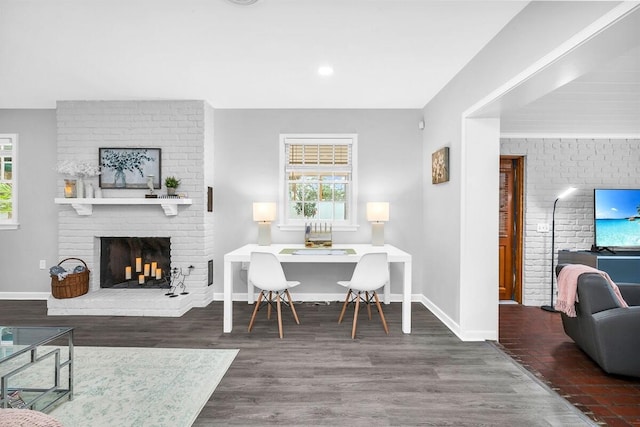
130, 168
440, 166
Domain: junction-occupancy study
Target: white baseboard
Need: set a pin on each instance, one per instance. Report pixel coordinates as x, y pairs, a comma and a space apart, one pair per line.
24, 295
442, 316
464, 335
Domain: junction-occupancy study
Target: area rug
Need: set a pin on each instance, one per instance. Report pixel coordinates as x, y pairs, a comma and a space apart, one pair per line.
126, 386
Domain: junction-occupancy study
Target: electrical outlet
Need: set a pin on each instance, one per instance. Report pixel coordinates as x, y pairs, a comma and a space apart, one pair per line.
543, 228
244, 266
43, 264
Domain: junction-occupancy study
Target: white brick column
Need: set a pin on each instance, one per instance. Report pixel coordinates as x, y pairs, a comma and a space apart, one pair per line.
178, 129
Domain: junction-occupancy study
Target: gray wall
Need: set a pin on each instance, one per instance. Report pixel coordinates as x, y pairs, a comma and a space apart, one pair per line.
246, 170
36, 238
450, 255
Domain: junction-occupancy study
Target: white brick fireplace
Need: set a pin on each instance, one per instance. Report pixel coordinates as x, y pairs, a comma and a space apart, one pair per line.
183, 130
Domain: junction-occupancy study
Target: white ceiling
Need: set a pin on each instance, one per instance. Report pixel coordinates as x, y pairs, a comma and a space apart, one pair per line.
603, 101
385, 53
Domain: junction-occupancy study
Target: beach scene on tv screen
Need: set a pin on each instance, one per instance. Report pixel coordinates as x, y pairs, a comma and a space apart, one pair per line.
617, 218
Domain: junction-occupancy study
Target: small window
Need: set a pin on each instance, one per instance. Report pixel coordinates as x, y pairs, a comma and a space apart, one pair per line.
8, 188
318, 180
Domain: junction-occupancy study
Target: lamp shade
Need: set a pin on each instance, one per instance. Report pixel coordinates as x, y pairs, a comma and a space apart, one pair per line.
377, 211
566, 192
264, 211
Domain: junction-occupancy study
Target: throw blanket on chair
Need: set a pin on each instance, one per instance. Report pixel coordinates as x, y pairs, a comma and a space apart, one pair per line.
568, 287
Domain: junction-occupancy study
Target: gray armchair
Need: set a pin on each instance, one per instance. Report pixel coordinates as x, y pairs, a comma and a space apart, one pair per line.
608, 333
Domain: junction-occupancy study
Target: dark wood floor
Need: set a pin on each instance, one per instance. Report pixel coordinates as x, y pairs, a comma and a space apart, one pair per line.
536, 339
318, 375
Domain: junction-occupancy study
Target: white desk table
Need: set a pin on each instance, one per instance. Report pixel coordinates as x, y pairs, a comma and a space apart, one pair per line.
243, 254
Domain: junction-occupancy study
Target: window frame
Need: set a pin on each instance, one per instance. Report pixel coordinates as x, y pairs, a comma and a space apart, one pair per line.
12, 224
284, 223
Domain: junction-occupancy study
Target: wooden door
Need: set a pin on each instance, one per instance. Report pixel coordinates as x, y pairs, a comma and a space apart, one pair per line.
509, 230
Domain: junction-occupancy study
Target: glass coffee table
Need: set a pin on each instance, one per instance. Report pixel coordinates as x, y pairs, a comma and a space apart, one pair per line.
36, 366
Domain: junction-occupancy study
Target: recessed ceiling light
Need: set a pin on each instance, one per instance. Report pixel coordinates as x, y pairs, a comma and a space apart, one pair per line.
325, 70
243, 2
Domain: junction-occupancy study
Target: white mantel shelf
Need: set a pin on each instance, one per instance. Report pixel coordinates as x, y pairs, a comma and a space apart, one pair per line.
85, 206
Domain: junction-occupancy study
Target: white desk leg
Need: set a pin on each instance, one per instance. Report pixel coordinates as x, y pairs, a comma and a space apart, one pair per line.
250, 292
227, 322
406, 299
387, 289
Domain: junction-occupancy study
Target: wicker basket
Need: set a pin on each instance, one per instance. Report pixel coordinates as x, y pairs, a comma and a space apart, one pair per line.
74, 285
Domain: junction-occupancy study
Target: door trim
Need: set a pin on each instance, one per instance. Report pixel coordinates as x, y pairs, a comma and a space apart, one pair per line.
518, 200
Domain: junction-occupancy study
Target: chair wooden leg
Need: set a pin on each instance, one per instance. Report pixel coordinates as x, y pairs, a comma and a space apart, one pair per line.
384, 321
255, 311
355, 317
368, 305
344, 306
279, 314
293, 309
269, 305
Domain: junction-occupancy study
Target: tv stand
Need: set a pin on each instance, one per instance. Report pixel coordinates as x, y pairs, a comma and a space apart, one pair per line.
595, 248
622, 266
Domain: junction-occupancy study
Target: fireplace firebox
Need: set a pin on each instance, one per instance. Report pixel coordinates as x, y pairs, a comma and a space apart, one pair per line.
135, 262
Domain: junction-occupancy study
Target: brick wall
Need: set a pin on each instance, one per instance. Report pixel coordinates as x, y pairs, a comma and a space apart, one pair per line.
552, 165
178, 129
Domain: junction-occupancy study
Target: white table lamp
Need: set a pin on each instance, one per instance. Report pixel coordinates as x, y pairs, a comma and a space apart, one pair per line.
377, 213
264, 213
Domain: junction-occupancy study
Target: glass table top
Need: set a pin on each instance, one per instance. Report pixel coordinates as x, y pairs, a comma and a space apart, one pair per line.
16, 340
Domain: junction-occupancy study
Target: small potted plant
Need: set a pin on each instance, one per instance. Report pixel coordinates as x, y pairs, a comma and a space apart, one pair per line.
171, 182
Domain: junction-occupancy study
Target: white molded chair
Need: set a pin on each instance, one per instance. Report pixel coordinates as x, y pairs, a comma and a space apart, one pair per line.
265, 273
371, 273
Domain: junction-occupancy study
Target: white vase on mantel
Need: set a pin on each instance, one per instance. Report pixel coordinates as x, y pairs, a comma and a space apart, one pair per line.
80, 188
89, 192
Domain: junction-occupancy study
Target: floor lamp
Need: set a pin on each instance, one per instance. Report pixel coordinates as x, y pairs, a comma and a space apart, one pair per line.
553, 235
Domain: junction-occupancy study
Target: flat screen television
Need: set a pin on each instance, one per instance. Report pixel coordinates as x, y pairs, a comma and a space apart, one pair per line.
617, 218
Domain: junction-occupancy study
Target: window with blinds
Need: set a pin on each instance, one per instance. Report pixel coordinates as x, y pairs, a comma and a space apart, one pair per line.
8, 194
318, 179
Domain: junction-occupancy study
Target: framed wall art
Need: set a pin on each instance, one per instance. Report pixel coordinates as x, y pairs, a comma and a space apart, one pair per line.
440, 166
130, 168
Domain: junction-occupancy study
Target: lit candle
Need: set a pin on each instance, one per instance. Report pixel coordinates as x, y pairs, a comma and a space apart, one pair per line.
69, 188
158, 273
146, 269
141, 279
138, 265
127, 272
154, 265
